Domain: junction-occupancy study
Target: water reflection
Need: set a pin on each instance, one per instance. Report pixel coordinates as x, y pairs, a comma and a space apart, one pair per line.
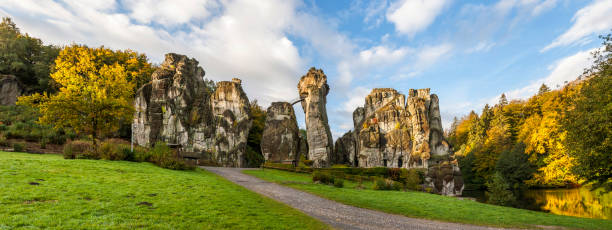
579, 202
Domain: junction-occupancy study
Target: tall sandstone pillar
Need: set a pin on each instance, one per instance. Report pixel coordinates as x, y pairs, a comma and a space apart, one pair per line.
313, 90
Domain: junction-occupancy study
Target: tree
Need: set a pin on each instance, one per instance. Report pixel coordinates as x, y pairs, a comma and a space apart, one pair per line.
503, 101
588, 121
514, 166
498, 191
254, 156
543, 89
95, 93
26, 58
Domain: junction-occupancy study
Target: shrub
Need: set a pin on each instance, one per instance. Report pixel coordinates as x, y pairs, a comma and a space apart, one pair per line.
141, 154
110, 150
162, 156
386, 184
3, 141
18, 146
308, 162
323, 177
79, 149
43, 143
338, 182
413, 179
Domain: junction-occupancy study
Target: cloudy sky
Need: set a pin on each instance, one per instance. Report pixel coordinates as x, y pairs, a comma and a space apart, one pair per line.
467, 52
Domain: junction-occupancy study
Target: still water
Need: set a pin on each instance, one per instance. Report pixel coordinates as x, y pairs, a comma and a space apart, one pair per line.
579, 202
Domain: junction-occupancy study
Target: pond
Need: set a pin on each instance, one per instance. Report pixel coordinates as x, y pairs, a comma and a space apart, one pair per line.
580, 202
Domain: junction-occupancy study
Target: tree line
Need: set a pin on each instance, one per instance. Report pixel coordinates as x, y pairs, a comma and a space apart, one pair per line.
556, 138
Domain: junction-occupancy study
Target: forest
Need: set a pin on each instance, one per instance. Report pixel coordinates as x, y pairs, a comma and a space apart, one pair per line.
556, 138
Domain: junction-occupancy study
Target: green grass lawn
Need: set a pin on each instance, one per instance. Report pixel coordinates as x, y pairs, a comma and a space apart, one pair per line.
428, 206
46, 191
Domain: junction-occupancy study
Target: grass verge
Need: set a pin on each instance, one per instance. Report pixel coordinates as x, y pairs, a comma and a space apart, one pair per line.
46, 191
428, 206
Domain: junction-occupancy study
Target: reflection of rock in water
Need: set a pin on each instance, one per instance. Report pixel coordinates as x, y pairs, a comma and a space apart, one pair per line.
578, 202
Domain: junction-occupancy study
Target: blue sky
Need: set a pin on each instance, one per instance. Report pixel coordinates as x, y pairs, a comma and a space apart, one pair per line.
467, 52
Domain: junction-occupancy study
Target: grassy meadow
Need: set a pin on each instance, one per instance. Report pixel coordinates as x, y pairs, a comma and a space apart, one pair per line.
428, 206
46, 191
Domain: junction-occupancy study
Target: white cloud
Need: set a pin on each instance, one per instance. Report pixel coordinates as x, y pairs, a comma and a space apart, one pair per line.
251, 44
412, 16
481, 47
594, 18
431, 54
169, 12
566, 69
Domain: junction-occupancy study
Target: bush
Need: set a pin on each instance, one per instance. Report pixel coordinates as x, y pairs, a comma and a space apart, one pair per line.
323, 177
413, 179
386, 184
308, 162
19, 147
110, 150
79, 149
338, 182
3, 141
162, 156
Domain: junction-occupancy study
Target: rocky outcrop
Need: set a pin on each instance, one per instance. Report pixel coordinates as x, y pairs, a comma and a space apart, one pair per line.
445, 178
10, 90
280, 141
313, 90
230, 108
394, 131
344, 149
176, 107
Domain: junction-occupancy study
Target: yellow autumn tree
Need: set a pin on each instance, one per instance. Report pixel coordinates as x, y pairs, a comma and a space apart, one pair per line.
95, 93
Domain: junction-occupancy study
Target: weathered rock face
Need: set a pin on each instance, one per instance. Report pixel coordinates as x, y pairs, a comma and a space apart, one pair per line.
344, 149
177, 108
280, 141
445, 178
392, 131
230, 107
10, 90
313, 90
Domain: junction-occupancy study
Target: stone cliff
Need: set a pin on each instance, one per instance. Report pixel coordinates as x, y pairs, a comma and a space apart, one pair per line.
177, 108
280, 141
313, 90
394, 131
10, 90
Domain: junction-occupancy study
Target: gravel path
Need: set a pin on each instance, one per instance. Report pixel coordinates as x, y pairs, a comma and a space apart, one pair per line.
337, 215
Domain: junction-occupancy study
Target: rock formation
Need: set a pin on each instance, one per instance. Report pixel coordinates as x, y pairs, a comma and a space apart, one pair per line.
344, 149
392, 131
280, 141
313, 90
177, 108
10, 90
230, 107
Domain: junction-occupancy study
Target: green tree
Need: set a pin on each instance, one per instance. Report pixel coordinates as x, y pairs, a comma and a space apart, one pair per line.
588, 121
254, 156
94, 97
543, 89
26, 58
514, 166
498, 191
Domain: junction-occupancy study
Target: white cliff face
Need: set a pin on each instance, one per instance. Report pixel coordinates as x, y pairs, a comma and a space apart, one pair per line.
313, 90
177, 108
